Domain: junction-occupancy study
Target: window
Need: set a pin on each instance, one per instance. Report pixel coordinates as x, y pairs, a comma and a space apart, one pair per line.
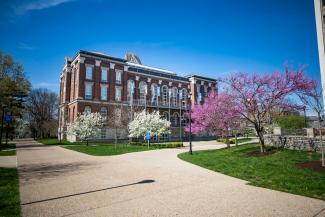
184, 120
87, 110
184, 97
103, 92
89, 91
73, 111
104, 74
166, 115
103, 113
154, 94
118, 93
205, 90
143, 92
103, 133
89, 72
174, 96
130, 90
175, 119
198, 92
118, 78
165, 95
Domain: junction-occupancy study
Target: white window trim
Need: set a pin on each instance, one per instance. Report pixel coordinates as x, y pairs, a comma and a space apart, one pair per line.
92, 85
103, 86
101, 74
92, 71
120, 91
121, 74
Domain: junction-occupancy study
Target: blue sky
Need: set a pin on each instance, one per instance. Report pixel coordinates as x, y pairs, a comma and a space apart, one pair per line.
211, 38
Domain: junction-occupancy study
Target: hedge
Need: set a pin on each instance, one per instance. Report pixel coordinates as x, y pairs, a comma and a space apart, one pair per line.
160, 145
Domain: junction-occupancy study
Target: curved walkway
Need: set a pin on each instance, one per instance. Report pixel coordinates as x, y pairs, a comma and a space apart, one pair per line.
58, 182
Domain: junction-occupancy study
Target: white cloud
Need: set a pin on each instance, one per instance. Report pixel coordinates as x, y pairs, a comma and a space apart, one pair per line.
51, 86
37, 5
24, 46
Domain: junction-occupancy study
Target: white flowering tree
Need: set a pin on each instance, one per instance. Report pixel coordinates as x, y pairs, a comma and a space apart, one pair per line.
144, 122
86, 126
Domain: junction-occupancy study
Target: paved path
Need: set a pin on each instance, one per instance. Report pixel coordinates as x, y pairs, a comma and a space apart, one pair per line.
59, 182
8, 161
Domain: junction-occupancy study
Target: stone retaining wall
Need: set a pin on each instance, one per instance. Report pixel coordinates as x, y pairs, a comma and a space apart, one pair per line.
293, 142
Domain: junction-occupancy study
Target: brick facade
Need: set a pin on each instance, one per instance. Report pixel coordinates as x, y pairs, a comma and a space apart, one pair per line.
73, 83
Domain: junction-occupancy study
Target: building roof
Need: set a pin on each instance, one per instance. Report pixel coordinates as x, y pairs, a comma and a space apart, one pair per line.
139, 68
100, 55
201, 77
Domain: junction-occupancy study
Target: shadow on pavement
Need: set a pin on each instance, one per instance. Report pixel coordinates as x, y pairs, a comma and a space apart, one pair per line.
43, 171
147, 181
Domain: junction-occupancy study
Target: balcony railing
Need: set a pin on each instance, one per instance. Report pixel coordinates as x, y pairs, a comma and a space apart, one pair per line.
160, 104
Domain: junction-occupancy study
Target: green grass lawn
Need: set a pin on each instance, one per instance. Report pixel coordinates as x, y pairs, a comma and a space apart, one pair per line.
8, 153
53, 141
4, 149
241, 140
276, 171
107, 150
9, 192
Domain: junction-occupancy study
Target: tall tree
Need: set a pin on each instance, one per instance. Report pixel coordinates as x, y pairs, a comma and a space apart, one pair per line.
42, 112
257, 95
255, 98
218, 115
14, 87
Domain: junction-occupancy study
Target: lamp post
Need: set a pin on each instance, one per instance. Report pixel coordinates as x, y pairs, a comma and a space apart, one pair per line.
190, 135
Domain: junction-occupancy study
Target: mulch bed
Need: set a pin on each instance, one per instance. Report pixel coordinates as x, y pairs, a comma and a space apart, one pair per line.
312, 165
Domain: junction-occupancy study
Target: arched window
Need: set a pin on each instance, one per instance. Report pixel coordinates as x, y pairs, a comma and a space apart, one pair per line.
184, 97
174, 96
143, 92
103, 113
166, 115
130, 90
73, 110
154, 94
175, 119
165, 95
87, 110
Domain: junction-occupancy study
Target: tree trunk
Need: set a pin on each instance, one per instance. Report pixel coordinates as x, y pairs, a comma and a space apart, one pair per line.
227, 142
260, 135
87, 142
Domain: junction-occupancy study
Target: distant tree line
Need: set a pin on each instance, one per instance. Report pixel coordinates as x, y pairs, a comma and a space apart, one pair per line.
31, 112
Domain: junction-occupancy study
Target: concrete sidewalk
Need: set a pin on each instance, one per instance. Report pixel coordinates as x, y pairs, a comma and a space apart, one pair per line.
58, 182
8, 161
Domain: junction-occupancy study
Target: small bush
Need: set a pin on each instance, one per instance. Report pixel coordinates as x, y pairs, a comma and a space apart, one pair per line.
224, 140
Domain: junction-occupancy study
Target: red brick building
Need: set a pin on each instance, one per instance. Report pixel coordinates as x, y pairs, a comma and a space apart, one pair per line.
117, 87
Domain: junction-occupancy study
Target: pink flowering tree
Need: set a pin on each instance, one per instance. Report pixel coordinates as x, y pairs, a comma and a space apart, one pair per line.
218, 115
252, 97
